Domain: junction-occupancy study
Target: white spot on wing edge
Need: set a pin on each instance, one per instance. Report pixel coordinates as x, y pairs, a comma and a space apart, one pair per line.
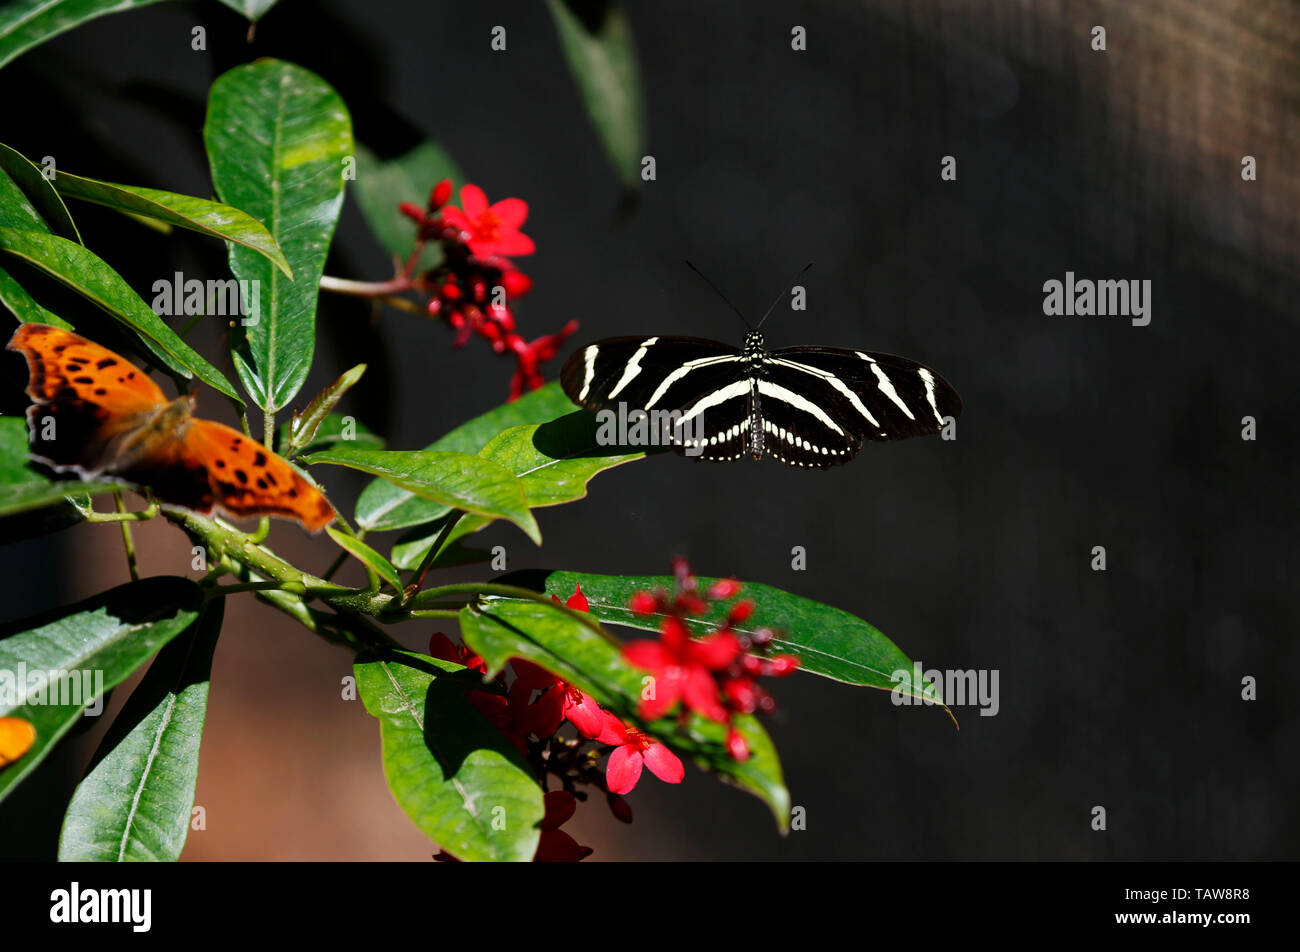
929, 393
588, 370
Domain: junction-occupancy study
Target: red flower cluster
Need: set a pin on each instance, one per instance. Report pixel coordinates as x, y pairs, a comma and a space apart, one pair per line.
717, 675
474, 288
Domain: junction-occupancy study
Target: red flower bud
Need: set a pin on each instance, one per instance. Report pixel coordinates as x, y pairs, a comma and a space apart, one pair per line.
516, 283
440, 195
740, 612
643, 603
412, 211
723, 589
450, 291
736, 746
782, 665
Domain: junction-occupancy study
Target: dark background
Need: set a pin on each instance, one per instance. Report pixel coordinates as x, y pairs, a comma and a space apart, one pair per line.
1118, 688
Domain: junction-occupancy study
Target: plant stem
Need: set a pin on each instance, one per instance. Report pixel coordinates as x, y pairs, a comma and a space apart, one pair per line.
127, 542
435, 550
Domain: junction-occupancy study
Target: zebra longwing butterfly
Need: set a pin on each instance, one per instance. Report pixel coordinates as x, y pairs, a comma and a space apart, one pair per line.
805, 406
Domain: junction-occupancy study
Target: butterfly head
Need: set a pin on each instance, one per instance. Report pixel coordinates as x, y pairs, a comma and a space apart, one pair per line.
753, 342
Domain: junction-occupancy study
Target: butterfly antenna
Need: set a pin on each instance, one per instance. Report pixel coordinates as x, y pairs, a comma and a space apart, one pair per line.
720, 294
784, 291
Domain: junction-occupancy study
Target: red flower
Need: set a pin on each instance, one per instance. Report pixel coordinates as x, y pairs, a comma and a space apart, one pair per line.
564, 701
634, 750
531, 354
490, 230
444, 649
684, 669
556, 846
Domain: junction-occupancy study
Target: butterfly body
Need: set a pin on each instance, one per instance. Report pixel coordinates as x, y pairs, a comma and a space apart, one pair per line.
95, 414
804, 406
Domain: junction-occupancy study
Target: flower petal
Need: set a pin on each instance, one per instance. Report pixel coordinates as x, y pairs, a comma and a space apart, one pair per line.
716, 651
650, 655
586, 715
613, 731
509, 243
512, 212
663, 763
473, 201
556, 846
701, 694
624, 769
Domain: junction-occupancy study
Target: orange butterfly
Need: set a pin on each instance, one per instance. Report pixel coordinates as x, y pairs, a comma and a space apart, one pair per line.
110, 418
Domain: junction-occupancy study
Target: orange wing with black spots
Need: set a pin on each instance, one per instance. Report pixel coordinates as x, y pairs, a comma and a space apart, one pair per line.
65, 366
247, 479
94, 413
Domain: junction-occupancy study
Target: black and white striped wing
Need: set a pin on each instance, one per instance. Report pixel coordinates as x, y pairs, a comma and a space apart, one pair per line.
865, 395
703, 380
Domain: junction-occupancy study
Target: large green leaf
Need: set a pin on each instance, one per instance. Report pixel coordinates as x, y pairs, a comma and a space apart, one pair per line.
454, 774
828, 641
385, 506
184, 211
89, 275
382, 186
113, 634
136, 799
553, 460
458, 480
25, 307
557, 640
277, 138
23, 488
597, 42
28, 23
40, 193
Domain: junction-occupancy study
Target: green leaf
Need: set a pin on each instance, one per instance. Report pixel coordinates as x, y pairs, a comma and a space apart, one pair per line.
602, 57
554, 461
90, 276
109, 635
828, 641
183, 211
23, 488
303, 426
28, 23
382, 186
335, 428
558, 640
458, 480
15, 210
454, 774
25, 307
136, 799
40, 193
277, 137
253, 10
385, 506
367, 556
